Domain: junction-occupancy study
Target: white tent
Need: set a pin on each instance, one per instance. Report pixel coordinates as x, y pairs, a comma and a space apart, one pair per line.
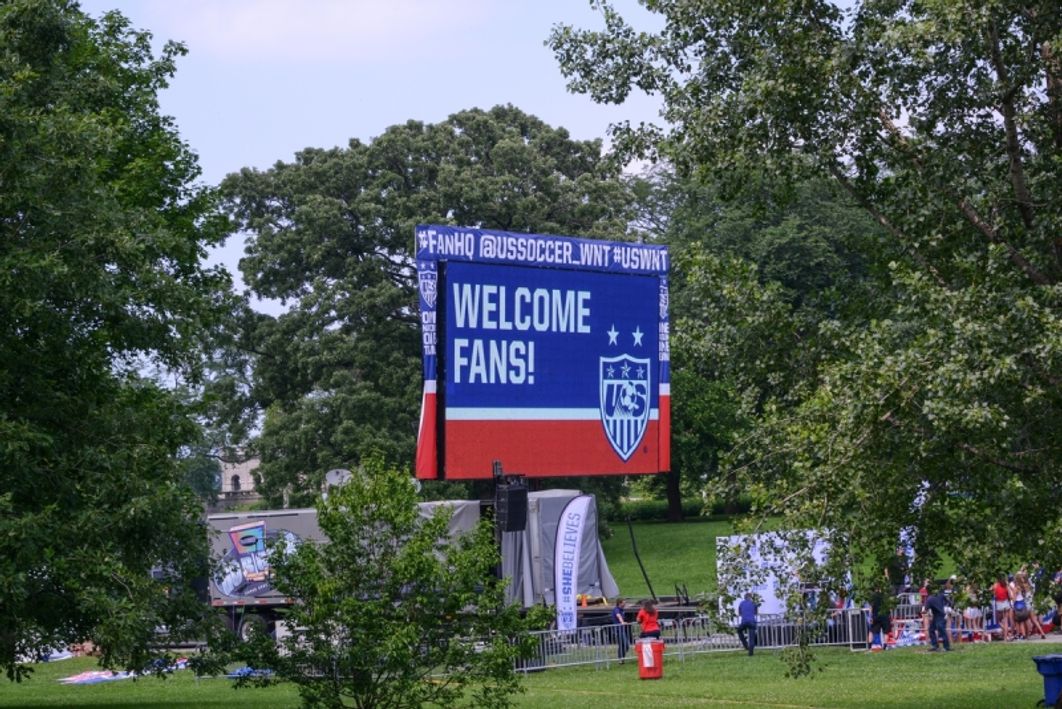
528, 556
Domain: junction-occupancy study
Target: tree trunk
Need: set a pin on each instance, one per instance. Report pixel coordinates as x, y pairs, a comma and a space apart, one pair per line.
674, 497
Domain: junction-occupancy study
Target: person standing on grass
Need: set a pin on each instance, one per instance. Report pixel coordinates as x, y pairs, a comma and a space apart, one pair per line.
1025, 617
623, 637
938, 623
747, 611
1001, 605
895, 571
923, 595
649, 619
972, 613
880, 622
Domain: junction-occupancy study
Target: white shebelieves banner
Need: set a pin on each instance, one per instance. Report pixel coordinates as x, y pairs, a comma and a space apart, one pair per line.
566, 555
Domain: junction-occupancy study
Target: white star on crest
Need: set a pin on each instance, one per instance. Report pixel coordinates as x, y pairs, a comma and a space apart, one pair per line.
626, 369
638, 335
611, 371
612, 335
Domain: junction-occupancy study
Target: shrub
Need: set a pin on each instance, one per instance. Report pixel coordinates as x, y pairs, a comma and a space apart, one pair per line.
656, 510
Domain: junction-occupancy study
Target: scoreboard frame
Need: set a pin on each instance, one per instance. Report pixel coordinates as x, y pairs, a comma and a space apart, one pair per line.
548, 354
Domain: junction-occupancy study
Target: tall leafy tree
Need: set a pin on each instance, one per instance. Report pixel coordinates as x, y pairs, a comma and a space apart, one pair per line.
331, 235
760, 267
202, 473
102, 236
943, 120
393, 612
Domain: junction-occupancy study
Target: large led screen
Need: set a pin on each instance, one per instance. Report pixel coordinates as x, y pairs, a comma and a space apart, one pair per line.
546, 354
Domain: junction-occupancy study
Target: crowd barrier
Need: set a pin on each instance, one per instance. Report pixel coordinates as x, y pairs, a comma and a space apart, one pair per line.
687, 636
694, 635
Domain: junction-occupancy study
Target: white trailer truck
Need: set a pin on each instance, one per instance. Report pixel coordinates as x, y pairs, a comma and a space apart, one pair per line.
243, 583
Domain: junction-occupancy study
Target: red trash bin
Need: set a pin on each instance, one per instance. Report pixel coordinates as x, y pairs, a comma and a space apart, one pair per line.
650, 653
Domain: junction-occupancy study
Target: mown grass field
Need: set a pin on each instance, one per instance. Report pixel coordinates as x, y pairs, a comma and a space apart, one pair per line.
675, 553
682, 553
998, 675
971, 677
181, 690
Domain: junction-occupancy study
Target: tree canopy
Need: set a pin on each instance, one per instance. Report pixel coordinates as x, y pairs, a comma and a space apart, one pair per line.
756, 274
331, 235
943, 121
102, 236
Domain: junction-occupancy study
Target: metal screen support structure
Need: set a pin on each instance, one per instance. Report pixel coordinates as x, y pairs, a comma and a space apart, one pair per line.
638, 558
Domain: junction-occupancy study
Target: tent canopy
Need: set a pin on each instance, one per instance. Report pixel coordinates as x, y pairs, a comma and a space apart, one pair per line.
528, 556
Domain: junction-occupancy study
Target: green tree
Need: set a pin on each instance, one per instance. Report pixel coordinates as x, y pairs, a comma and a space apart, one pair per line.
733, 337
392, 611
202, 473
746, 339
331, 235
103, 234
943, 121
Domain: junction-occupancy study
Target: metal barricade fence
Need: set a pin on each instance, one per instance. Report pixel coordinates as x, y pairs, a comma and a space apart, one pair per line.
597, 646
605, 645
907, 616
909, 622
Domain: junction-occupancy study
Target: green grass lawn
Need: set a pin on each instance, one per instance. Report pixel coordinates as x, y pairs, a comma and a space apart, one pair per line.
673, 553
181, 689
981, 676
971, 677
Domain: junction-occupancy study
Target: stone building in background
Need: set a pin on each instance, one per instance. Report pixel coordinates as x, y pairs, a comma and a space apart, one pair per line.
237, 485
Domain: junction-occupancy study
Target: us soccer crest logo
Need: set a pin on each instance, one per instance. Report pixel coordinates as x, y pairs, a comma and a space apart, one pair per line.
624, 402
428, 286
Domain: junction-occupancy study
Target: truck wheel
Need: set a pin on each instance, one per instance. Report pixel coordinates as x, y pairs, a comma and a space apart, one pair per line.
252, 626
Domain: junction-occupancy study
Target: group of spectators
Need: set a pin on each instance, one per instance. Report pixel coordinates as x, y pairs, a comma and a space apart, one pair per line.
947, 611
648, 619
1012, 603
1005, 608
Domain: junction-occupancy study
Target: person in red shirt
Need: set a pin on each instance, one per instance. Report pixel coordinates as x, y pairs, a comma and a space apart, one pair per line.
923, 595
1001, 606
649, 619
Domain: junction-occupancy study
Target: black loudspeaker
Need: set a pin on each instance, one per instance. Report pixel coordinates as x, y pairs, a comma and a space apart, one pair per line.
510, 507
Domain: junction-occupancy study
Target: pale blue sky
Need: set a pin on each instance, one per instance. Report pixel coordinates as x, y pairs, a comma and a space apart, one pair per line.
265, 78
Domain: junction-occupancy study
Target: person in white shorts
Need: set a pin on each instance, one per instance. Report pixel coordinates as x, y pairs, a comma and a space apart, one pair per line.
1001, 606
971, 614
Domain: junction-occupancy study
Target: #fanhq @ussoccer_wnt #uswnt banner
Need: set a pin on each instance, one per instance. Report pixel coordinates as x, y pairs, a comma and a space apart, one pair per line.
548, 354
